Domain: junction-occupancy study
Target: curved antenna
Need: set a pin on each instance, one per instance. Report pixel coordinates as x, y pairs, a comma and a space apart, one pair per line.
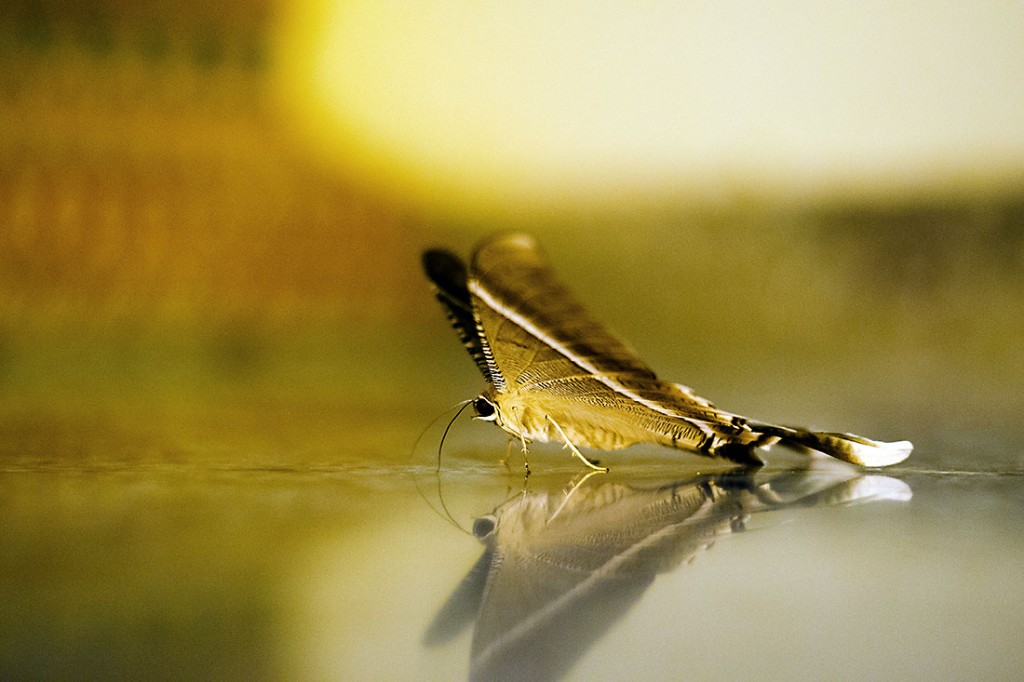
446, 514
437, 472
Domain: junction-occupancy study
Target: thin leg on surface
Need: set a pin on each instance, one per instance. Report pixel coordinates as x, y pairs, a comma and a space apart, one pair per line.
574, 449
526, 455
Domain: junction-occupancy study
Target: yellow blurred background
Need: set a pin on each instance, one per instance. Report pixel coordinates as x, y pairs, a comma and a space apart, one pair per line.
211, 213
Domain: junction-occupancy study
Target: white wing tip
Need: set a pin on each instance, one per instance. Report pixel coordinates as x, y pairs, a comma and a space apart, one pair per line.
874, 453
875, 487
845, 446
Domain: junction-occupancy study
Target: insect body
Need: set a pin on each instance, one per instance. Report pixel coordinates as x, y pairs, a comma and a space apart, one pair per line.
556, 374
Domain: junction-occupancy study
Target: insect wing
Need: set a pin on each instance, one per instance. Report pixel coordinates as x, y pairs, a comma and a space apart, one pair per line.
531, 318
447, 273
543, 339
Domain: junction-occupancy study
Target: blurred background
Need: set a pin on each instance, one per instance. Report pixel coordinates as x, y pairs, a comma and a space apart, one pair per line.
211, 214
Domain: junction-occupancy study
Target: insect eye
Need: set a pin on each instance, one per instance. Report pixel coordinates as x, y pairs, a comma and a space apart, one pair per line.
484, 409
483, 526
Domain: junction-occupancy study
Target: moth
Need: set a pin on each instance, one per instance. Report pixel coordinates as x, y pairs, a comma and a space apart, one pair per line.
559, 569
554, 374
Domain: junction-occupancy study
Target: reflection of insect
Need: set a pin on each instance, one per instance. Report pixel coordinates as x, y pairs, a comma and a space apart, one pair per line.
560, 568
556, 374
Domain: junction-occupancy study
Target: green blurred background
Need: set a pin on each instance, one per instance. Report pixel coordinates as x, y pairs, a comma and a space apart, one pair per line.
201, 263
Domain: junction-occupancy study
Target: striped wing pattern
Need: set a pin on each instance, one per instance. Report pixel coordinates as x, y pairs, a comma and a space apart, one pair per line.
544, 341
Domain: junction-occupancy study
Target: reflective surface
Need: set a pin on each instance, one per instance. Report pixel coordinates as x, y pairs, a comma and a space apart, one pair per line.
347, 573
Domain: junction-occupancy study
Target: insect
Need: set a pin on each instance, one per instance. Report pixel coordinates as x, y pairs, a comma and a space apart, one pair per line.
559, 569
554, 374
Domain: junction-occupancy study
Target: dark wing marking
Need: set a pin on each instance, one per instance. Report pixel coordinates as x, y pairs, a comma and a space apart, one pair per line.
462, 606
447, 273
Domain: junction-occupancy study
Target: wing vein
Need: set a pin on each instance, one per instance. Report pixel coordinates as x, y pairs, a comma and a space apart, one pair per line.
528, 326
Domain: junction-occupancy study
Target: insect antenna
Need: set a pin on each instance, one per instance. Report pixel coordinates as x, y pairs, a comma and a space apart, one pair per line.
445, 514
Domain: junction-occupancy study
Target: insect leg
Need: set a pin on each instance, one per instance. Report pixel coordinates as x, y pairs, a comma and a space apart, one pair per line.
526, 454
571, 489
574, 449
522, 439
